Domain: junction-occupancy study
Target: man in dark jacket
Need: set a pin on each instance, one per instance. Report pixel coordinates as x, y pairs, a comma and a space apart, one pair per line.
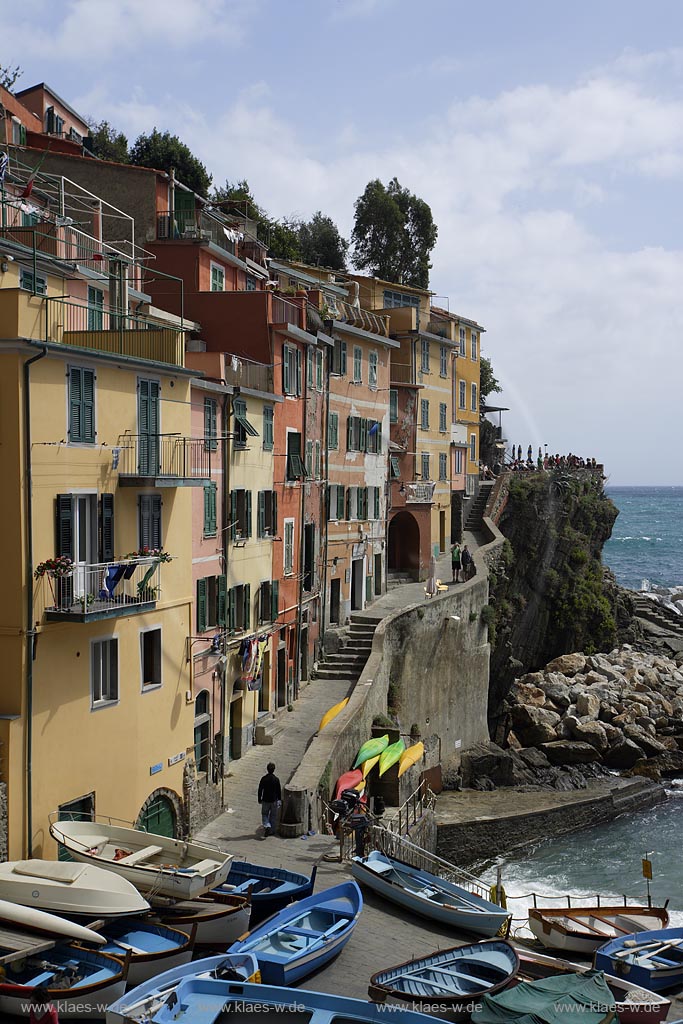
270, 797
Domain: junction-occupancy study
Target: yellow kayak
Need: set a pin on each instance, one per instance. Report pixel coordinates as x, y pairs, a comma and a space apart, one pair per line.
369, 765
390, 756
410, 757
332, 713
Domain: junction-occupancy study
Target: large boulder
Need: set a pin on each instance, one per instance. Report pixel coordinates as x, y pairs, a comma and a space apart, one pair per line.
557, 691
594, 678
534, 725
569, 752
525, 693
567, 664
649, 744
534, 758
486, 761
588, 705
593, 733
624, 754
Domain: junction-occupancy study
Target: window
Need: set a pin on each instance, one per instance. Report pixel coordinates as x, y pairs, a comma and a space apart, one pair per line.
357, 503
251, 283
210, 527
291, 370
356, 433
210, 429
31, 282
319, 371
357, 365
217, 278
18, 133
335, 502
309, 367
474, 398
443, 466
202, 733
462, 395
149, 520
333, 430
150, 657
473, 335
443, 362
424, 356
374, 437
425, 466
243, 428
393, 406
81, 405
339, 358
372, 370
289, 547
211, 602
424, 413
443, 410
393, 300
240, 514
316, 466
268, 436
269, 600
104, 671
295, 466
375, 503
309, 458
458, 460
462, 341
95, 309
266, 514
473, 447
394, 468
239, 608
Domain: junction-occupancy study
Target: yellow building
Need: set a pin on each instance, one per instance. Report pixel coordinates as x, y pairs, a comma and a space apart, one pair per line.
96, 710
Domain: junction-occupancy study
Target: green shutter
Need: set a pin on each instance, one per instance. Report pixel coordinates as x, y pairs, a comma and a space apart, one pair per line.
286, 383
221, 593
207, 509
342, 359
231, 609
299, 390
349, 433
274, 506
340, 502
368, 588
88, 417
393, 406
247, 506
260, 513
75, 404
329, 501
348, 502
247, 606
275, 600
309, 366
233, 514
64, 525
107, 528
363, 434
201, 606
376, 503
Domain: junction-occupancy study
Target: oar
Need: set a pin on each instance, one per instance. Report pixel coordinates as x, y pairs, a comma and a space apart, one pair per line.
654, 948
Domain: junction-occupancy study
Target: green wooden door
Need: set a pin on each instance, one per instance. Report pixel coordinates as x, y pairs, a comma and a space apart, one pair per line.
159, 817
184, 211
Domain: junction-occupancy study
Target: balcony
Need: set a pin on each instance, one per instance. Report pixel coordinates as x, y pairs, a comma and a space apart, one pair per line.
195, 225
105, 329
165, 460
245, 373
419, 492
102, 590
346, 313
401, 373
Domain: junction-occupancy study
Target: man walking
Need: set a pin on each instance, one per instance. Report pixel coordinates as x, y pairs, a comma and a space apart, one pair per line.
270, 798
455, 562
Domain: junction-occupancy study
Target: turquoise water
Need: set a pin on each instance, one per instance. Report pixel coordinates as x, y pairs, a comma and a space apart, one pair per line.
647, 540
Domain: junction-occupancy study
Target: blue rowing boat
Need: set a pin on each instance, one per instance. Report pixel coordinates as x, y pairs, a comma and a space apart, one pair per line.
152, 948
201, 1000
428, 895
142, 1002
305, 935
652, 959
451, 978
271, 889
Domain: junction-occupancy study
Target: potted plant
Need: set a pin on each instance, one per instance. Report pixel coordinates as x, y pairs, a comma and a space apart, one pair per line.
59, 568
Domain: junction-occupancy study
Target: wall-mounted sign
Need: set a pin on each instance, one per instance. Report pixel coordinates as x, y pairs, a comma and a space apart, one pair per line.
176, 758
154, 768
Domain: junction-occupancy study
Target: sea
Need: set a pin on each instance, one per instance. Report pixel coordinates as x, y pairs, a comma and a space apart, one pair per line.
646, 545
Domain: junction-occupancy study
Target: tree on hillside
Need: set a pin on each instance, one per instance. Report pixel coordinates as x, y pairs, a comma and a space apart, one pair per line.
165, 151
321, 243
108, 143
9, 76
488, 384
238, 197
393, 234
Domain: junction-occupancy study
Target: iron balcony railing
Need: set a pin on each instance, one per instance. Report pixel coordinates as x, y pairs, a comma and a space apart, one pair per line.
246, 373
166, 455
197, 225
284, 312
68, 243
102, 589
420, 491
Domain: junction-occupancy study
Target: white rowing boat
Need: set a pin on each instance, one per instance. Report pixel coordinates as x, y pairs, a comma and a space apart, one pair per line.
39, 921
65, 888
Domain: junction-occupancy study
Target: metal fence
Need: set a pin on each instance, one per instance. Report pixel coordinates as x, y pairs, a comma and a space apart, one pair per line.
246, 373
195, 224
109, 330
284, 312
91, 589
397, 846
165, 455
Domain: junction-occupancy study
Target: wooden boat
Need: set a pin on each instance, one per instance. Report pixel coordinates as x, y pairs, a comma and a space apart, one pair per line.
141, 1003
583, 929
369, 765
27, 918
218, 918
301, 938
653, 959
410, 757
202, 1000
582, 997
332, 713
168, 867
449, 980
428, 895
270, 889
635, 1004
76, 890
349, 780
371, 748
150, 948
80, 982
390, 755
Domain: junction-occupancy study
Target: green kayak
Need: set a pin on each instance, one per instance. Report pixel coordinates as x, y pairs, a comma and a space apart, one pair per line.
390, 755
371, 748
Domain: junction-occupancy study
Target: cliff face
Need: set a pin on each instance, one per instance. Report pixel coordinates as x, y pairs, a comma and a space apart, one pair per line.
549, 596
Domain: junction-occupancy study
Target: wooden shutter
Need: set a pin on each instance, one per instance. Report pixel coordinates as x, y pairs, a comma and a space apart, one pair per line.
107, 528
376, 500
298, 372
88, 407
348, 502
309, 366
340, 502
260, 513
247, 513
363, 434
349, 433
231, 609
221, 599
286, 382
342, 359
233, 514
274, 513
201, 606
275, 600
75, 403
64, 525
156, 521
246, 620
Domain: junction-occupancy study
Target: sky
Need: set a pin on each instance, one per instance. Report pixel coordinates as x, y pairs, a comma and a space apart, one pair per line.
547, 138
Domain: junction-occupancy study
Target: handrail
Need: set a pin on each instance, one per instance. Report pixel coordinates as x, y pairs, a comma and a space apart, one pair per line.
398, 847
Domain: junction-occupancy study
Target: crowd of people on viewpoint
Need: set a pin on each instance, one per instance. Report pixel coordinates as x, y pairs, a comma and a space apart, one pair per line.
518, 463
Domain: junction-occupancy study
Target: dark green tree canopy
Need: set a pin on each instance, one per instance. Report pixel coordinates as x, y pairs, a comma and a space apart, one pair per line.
488, 383
321, 243
393, 234
165, 151
108, 143
9, 76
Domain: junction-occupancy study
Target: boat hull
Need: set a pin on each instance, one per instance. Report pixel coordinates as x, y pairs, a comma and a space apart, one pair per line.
583, 930
85, 1001
389, 756
270, 889
371, 748
151, 948
659, 963
330, 715
92, 892
219, 920
410, 757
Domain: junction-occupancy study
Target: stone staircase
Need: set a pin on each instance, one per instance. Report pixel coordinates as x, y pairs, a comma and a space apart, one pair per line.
475, 509
349, 661
398, 579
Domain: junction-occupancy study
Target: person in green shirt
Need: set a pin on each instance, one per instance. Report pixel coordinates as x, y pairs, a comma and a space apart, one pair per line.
455, 562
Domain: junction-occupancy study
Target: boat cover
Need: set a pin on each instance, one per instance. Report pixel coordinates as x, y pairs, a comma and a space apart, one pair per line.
584, 998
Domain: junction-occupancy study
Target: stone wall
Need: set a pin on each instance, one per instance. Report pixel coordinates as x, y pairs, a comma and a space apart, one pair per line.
202, 799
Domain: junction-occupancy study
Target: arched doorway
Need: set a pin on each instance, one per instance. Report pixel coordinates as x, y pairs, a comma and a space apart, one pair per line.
159, 815
404, 543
